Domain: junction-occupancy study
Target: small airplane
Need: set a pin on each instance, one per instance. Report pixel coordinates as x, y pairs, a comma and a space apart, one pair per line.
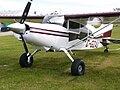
61, 33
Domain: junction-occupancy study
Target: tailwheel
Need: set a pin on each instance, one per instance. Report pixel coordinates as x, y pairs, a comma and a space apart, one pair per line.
106, 51
78, 68
25, 61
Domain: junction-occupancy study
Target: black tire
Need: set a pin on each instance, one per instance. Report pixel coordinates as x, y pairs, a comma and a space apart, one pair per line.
78, 68
23, 61
106, 51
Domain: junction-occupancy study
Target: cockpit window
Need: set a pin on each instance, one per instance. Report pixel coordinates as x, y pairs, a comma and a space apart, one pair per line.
73, 25
54, 19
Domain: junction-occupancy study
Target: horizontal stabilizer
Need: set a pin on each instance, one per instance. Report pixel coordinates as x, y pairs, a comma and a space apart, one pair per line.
116, 41
104, 29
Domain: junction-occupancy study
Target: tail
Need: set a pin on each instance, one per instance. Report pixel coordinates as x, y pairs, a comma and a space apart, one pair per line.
107, 34
104, 32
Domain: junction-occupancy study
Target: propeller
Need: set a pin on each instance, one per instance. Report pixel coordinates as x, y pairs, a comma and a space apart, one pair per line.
25, 13
20, 27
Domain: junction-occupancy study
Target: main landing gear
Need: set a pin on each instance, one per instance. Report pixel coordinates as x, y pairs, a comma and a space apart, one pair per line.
77, 67
26, 60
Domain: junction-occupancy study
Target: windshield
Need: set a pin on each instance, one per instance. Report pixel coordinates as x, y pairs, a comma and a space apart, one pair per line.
54, 19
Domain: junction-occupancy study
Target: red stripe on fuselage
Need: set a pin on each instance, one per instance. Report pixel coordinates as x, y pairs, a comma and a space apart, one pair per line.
49, 34
52, 32
49, 30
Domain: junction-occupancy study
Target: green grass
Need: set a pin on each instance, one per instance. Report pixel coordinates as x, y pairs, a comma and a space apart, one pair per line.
51, 71
8, 21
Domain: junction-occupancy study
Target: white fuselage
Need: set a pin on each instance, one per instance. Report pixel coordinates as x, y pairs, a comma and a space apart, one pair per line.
51, 36
47, 35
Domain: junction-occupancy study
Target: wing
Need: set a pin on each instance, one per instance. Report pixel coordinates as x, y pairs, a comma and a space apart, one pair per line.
70, 16
104, 14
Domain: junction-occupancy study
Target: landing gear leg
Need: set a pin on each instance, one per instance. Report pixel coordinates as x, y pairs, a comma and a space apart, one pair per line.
26, 59
77, 67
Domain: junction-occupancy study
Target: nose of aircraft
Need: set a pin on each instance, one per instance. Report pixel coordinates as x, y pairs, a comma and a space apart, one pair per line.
17, 28
20, 27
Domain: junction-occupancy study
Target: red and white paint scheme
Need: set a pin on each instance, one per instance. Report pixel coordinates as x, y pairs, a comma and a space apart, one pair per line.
60, 33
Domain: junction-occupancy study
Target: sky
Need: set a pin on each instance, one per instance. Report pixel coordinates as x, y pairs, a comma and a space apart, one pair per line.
62, 6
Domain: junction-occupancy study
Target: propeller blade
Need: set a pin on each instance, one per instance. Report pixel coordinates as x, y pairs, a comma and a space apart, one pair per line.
25, 13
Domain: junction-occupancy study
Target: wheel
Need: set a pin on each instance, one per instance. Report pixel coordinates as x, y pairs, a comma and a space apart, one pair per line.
24, 61
78, 68
106, 51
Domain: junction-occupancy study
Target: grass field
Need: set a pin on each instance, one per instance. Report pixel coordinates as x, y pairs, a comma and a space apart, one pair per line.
51, 71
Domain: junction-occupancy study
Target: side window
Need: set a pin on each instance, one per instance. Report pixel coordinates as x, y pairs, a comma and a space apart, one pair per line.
73, 25
73, 36
84, 32
77, 31
82, 35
